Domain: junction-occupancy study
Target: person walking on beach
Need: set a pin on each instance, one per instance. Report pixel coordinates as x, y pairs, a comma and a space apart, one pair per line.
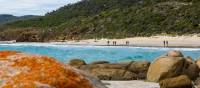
167, 43
108, 42
114, 43
127, 42
164, 43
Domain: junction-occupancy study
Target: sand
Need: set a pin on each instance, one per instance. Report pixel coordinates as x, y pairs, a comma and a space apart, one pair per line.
154, 41
131, 84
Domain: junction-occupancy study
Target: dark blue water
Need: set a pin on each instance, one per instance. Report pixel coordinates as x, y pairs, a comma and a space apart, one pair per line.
92, 53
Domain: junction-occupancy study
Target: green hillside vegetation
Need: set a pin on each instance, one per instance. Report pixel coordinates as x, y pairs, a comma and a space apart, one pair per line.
116, 19
84, 8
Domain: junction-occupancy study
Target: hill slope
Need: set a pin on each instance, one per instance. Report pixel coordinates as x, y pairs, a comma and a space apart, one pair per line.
5, 18
118, 19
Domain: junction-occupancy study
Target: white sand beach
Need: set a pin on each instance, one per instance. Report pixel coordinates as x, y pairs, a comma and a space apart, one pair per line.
154, 41
131, 84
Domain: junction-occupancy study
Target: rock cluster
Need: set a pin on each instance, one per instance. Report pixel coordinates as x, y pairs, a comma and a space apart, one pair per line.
171, 70
115, 71
171, 65
19, 70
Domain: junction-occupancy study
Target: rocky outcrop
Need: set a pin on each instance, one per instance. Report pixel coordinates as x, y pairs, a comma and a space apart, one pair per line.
117, 71
19, 70
167, 66
171, 65
177, 82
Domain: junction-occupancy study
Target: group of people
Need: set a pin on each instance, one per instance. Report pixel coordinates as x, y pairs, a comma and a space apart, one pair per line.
165, 43
115, 42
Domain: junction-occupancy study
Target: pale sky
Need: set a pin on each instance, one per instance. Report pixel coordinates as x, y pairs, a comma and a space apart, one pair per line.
31, 7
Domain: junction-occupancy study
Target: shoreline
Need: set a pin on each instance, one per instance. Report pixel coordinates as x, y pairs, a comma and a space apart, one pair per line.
154, 41
65, 43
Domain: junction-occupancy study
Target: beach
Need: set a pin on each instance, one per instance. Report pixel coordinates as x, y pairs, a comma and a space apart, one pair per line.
154, 41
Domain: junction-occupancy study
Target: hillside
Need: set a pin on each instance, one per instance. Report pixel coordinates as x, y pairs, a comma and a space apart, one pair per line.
117, 19
5, 18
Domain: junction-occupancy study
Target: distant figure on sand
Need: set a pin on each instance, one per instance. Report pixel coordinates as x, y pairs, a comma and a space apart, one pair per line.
114, 43
164, 43
167, 43
127, 42
108, 42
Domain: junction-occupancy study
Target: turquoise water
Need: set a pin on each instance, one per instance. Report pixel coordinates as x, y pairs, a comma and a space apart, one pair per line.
92, 53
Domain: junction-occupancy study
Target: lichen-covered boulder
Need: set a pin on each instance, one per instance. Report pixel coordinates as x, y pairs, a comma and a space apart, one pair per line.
181, 81
165, 67
19, 70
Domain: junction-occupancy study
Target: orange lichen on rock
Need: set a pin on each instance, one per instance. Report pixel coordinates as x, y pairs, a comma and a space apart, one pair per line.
4, 54
34, 71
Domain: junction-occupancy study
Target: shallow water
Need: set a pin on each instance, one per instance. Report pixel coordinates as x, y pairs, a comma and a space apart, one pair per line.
93, 53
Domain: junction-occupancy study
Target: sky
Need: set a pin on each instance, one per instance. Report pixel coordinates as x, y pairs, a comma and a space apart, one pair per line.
31, 7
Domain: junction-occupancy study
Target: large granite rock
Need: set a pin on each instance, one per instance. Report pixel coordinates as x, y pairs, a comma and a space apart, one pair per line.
177, 82
165, 67
19, 70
